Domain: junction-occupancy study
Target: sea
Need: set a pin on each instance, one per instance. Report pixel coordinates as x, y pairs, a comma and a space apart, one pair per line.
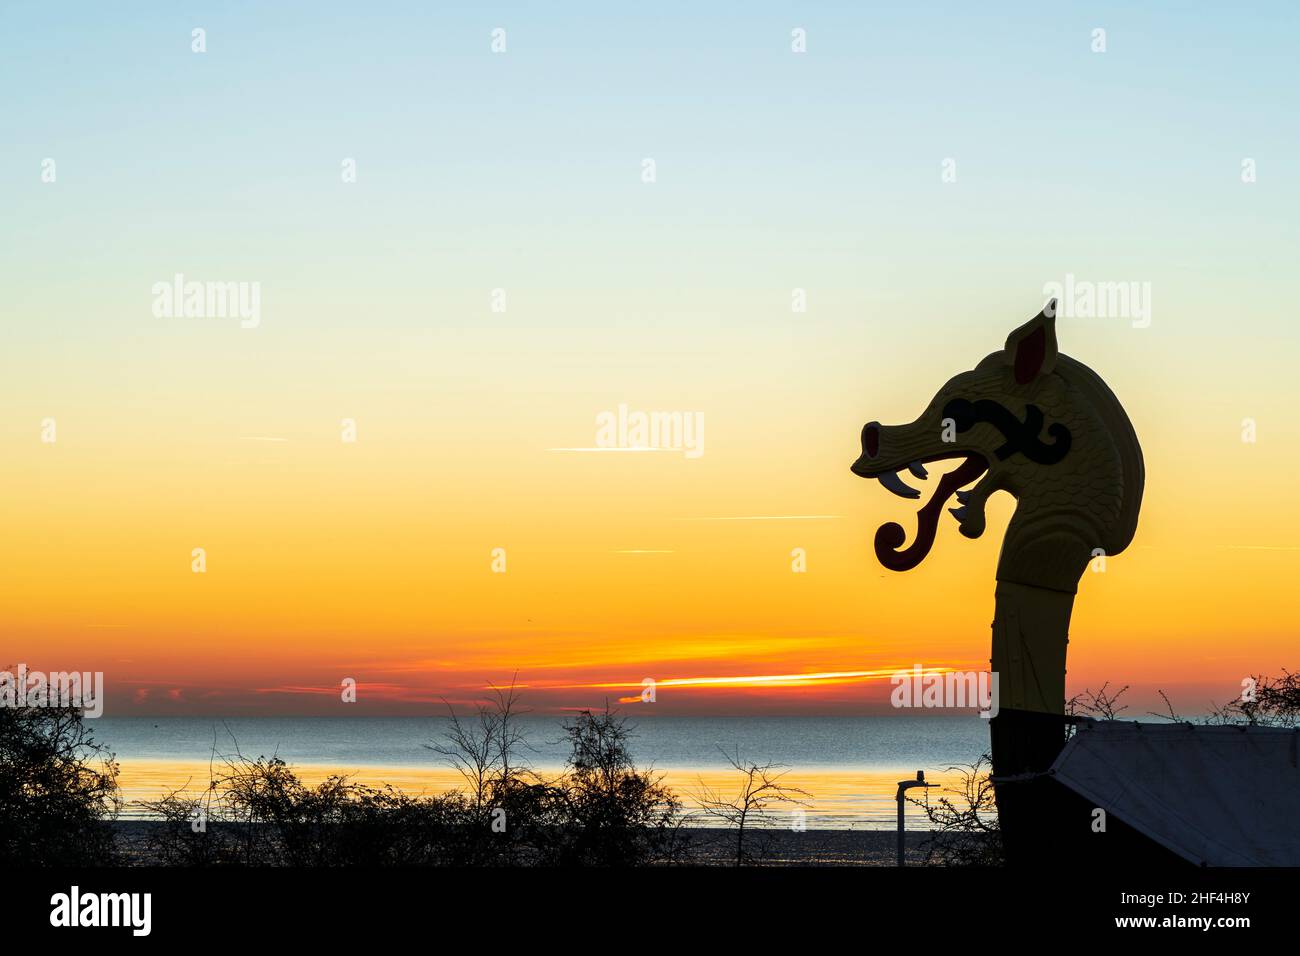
847, 767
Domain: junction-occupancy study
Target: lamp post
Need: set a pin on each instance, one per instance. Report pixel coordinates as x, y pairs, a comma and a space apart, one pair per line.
903, 787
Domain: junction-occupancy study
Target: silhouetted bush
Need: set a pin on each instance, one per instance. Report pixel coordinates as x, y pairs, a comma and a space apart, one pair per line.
602, 811
259, 813
607, 812
965, 828
1269, 702
749, 814
58, 789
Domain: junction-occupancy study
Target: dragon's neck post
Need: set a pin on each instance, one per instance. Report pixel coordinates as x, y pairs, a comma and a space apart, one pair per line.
1044, 554
1031, 627
1030, 632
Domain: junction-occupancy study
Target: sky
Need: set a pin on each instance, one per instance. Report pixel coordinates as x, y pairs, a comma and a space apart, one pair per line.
519, 177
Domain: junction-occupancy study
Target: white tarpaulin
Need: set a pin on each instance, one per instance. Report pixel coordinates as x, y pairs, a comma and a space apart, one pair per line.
1218, 796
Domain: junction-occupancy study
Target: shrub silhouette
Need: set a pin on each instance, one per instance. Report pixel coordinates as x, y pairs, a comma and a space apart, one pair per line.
58, 789
259, 813
606, 811
750, 813
964, 825
1272, 702
602, 811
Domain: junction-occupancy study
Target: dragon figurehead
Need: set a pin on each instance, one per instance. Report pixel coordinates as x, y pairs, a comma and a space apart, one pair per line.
1046, 429
1032, 422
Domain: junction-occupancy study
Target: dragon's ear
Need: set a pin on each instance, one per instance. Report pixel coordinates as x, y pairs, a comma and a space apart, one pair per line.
1031, 349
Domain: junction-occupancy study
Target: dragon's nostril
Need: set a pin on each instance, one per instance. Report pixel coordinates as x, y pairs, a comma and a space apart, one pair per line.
871, 439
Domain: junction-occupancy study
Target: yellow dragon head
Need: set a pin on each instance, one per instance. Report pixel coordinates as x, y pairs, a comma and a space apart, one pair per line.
1032, 422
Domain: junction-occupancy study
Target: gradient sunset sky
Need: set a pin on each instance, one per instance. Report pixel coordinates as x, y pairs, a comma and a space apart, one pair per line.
523, 171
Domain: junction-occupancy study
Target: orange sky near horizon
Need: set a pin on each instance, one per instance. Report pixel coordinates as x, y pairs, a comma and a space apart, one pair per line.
374, 561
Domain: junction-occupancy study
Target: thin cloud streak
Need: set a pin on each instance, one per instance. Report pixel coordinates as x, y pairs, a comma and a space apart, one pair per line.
771, 680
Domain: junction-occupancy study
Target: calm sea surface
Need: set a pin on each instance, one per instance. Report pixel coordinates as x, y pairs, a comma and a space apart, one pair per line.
849, 765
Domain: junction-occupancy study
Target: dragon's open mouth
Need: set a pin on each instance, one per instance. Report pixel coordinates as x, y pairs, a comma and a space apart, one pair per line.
890, 536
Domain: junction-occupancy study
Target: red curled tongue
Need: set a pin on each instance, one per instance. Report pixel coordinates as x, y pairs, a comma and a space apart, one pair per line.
890, 537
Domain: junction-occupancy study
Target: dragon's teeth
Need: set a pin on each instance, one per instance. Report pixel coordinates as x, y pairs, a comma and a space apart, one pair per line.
918, 469
958, 513
896, 485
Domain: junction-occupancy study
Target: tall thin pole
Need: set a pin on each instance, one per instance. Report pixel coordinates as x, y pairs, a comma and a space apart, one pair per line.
903, 787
